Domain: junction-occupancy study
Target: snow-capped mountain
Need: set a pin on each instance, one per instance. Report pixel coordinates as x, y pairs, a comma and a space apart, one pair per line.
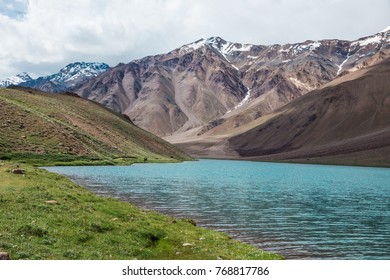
78, 71
66, 78
215, 83
16, 80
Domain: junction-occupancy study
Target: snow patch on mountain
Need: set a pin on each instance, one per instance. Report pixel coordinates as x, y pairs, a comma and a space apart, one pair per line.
375, 39
299, 48
218, 44
194, 46
227, 48
386, 29
223, 47
246, 98
344, 61
342, 64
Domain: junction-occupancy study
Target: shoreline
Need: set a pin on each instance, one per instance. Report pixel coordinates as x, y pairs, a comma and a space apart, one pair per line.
159, 236
168, 212
166, 204
288, 161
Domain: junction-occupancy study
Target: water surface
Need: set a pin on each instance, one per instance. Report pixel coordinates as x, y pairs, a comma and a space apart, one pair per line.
300, 211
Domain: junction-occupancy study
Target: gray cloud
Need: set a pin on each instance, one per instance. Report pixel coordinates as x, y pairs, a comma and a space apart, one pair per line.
54, 33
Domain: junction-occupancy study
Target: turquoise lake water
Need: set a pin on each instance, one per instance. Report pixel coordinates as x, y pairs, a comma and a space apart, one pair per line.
300, 211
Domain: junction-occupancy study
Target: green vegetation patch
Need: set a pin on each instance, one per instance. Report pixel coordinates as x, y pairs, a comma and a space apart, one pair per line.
46, 216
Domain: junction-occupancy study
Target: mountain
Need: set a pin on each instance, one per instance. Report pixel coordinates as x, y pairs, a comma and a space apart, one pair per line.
347, 122
15, 80
215, 83
167, 93
64, 127
65, 79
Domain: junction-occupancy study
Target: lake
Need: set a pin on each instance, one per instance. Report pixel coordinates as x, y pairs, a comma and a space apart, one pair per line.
300, 211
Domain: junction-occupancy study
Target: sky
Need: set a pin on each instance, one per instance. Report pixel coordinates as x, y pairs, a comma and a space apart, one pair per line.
41, 36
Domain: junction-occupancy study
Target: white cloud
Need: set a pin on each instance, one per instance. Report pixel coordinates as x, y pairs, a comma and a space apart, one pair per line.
55, 32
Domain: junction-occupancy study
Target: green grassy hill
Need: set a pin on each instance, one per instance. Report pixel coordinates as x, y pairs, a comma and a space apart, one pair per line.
52, 128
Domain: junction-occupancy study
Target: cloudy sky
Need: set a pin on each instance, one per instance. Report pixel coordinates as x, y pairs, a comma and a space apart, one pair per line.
42, 36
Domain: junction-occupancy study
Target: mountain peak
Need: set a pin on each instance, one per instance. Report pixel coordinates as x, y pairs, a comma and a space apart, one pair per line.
225, 48
16, 80
77, 66
76, 72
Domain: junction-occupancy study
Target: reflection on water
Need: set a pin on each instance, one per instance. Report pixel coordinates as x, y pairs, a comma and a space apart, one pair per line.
300, 211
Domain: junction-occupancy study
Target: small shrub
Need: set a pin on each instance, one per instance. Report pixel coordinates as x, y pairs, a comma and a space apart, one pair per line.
189, 220
71, 254
32, 230
152, 237
84, 237
5, 157
5, 246
22, 255
48, 240
101, 227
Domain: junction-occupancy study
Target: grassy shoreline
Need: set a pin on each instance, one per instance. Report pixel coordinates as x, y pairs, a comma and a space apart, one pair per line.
47, 216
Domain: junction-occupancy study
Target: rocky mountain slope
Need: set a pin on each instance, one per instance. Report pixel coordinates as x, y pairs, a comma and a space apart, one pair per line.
64, 127
212, 82
348, 121
65, 79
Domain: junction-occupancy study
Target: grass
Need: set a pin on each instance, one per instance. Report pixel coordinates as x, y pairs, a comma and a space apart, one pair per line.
48, 159
46, 216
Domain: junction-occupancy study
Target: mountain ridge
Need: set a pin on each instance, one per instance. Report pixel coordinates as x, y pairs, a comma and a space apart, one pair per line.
62, 81
210, 79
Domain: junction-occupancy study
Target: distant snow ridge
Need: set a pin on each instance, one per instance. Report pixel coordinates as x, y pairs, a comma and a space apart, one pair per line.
16, 80
67, 78
75, 72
